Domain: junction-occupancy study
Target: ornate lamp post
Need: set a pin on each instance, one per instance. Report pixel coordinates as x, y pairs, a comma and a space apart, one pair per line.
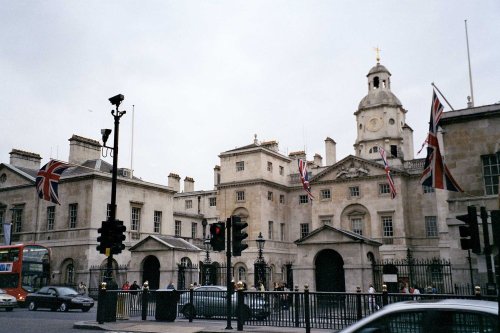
260, 264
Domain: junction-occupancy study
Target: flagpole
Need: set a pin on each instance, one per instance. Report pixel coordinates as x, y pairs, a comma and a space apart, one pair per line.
132, 145
439, 91
470, 70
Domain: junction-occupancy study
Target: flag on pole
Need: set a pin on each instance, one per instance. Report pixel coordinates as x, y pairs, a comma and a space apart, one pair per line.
388, 172
7, 227
47, 180
304, 177
436, 173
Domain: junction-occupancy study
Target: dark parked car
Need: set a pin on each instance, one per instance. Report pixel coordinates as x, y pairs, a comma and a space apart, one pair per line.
210, 301
431, 316
58, 298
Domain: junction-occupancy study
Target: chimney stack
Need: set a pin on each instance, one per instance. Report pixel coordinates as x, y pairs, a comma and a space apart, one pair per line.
82, 149
25, 159
174, 181
318, 160
188, 184
331, 151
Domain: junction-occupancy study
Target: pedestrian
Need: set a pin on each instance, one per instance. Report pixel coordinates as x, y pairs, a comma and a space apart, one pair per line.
171, 285
372, 304
82, 288
126, 286
261, 287
134, 288
416, 291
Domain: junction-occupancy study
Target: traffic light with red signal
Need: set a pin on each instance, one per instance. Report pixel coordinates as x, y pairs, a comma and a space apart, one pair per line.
218, 236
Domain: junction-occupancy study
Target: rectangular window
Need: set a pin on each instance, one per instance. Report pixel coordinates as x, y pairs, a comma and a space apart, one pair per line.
189, 204
384, 189
387, 228
491, 172
428, 189
73, 214
282, 170
304, 230
135, 220
303, 199
270, 230
357, 225
354, 191
282, 198
431, 229
212, 202
282, 231
240, 196
194, 230
157, 215
51, 216
326, 220
17, 219
325, 194
270, 166
240, 166
270, 196
178, 228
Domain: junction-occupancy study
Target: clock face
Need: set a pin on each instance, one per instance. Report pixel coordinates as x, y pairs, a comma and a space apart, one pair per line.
374, 124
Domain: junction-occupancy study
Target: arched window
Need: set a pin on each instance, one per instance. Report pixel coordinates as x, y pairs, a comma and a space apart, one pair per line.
69, 275
242, 274
376, 82
186, 262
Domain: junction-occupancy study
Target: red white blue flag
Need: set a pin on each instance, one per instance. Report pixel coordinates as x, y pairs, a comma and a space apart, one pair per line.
436, 173
304, 177
388, 172
47, 180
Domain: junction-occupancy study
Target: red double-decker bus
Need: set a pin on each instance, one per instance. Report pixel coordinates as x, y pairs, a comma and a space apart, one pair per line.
23, 269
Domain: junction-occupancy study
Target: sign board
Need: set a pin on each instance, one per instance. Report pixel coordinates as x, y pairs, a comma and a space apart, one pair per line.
390, 277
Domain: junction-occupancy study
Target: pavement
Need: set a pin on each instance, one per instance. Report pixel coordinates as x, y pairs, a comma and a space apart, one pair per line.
184, 326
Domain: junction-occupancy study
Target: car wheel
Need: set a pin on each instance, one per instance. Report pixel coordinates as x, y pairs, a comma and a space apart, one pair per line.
63, 307
188, 311
32, 306
9, 309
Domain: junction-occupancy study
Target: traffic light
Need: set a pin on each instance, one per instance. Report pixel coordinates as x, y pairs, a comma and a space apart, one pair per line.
495, 226
105, 241
118, 237
218, 236
469, 232
238, 235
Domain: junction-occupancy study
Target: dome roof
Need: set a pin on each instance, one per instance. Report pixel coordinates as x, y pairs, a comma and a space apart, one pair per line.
377, 69
378, 97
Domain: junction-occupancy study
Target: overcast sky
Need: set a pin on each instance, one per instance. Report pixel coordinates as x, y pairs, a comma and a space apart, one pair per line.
205, 76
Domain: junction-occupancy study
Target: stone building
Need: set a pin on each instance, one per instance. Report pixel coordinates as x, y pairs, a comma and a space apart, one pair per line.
351, 234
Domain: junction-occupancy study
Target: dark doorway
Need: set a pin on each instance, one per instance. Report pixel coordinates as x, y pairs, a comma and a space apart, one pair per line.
151, 272
329, 269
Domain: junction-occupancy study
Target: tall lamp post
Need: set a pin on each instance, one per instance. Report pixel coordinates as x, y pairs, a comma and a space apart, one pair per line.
260, 263
116, 101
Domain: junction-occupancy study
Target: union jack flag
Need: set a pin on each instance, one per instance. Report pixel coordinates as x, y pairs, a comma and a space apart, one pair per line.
388, 172
304, 177
47, 180
436, 173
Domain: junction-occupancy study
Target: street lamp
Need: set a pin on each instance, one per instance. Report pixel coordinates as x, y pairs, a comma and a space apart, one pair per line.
260, 264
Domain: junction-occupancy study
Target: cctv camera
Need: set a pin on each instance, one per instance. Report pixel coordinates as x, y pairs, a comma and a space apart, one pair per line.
105, 135
116, 100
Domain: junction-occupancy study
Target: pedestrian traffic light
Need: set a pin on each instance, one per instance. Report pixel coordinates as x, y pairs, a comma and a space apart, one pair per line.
118, 237
239, 235
105, 241
469, 232
218, 236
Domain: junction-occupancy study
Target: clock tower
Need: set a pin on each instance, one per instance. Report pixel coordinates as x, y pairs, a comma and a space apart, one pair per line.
380, 120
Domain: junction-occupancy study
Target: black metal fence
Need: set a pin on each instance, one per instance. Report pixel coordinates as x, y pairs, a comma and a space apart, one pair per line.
304, 309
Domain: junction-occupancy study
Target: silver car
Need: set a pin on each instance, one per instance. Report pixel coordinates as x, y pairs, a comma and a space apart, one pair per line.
431, 316
210, 301
7, 301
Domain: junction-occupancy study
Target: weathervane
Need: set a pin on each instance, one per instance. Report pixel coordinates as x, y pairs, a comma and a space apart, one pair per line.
377, 50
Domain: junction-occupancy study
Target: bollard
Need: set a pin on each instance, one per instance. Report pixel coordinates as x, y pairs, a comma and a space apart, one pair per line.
358, 304
296, 305
145, 300
385, 296
306, 309
101, 300
240, 304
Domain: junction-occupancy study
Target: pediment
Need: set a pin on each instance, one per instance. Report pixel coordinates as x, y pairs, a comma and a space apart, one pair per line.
349, 168
11, 176
330, 235
163, 243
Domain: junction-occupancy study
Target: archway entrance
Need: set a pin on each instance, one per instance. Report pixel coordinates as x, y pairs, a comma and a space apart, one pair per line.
329, 271
151, 272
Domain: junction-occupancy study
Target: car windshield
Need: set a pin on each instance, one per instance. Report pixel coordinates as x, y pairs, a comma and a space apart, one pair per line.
2, 291
67, 291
